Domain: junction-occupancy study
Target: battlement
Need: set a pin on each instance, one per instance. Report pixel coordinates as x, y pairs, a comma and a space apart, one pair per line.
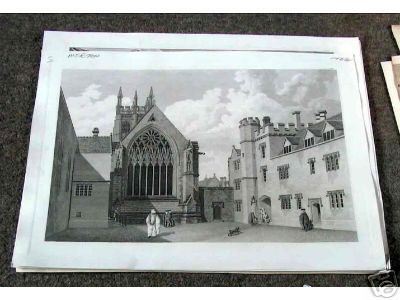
249, 121
267, 127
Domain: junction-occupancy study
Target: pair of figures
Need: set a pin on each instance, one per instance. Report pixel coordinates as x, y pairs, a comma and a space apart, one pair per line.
153, 222
264, 217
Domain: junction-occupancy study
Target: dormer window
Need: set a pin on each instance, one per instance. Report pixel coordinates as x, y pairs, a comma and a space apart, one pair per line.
328, 135
309, 142
287, 149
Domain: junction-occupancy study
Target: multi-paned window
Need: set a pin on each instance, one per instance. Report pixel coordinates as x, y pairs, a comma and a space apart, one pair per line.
237, 184
287, 149
311, 163
336, 199
285, 202
238, 205
331, 161
83, 189
283, 171
262, 151
236, 164
298, 198
309, 142
328, 135
78, 214
264, 173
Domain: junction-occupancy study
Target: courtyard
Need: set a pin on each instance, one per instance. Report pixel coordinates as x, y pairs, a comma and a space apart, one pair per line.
204, 232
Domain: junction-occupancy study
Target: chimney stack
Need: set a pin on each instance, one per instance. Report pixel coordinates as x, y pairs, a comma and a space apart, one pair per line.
298, 120
322, 114
95, 132
266, 120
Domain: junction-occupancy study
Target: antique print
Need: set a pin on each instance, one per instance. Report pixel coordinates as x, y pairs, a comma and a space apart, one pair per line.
200, 156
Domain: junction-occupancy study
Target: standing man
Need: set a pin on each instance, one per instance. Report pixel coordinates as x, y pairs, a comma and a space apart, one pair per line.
304, 220
153, 224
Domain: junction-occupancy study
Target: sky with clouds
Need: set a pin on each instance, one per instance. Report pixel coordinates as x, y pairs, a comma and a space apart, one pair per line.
205, 105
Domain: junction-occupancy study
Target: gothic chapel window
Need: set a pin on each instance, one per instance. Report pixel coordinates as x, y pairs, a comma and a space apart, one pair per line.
150, 170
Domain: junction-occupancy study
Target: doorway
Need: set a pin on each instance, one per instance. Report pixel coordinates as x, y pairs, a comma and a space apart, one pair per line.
315, 210
217, 212
265, 203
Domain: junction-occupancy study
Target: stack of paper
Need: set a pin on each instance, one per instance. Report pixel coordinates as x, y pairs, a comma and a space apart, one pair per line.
391, 69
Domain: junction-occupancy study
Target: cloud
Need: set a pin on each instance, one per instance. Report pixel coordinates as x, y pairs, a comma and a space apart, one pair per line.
90, 110
290, 86
214, 119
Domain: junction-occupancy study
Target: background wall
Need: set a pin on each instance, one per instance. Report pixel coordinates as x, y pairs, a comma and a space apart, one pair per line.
19, 60
221, 196
64, 155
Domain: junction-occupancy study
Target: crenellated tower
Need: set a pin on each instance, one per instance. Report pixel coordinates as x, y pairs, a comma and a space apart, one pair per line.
249, 128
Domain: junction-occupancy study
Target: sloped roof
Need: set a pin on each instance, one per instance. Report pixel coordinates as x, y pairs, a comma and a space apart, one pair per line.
210, 182
235, 151
316, 129
336, 124
158, 118
92, 167
94, 144
294, 140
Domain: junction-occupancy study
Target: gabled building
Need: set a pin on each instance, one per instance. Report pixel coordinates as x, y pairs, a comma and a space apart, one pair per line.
286, 168
91, 182
152, 164
213, 182
79, 192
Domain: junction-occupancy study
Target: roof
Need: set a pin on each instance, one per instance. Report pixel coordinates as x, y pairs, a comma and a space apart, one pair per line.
238, 151
210, 182
94, 144
294, 140
92, 167
316, 129
235, 152
336, 124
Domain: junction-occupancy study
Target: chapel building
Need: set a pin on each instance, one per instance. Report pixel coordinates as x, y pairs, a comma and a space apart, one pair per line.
152, 164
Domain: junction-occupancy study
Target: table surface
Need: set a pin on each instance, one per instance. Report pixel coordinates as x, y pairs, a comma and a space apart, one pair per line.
21, 41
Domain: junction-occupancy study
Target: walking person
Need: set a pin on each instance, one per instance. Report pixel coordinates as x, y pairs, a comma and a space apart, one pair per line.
304, 220
153, 224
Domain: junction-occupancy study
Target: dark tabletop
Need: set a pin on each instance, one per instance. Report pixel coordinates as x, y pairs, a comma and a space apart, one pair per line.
21, 41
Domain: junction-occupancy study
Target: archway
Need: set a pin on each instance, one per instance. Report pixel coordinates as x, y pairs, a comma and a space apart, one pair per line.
265, 203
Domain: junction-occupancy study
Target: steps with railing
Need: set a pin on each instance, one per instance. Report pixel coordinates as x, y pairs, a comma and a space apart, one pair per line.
135, 211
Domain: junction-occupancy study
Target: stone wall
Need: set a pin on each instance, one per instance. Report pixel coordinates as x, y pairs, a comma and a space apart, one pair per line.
217, 202
90, 211
66, 145
309, 186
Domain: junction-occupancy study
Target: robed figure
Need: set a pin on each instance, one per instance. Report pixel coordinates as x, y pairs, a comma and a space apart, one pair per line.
153, 224
305, 222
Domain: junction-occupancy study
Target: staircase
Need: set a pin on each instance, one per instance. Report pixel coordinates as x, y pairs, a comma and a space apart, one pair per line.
136, 211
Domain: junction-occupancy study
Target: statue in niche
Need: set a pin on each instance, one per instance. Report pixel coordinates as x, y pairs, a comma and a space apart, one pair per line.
189, 151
